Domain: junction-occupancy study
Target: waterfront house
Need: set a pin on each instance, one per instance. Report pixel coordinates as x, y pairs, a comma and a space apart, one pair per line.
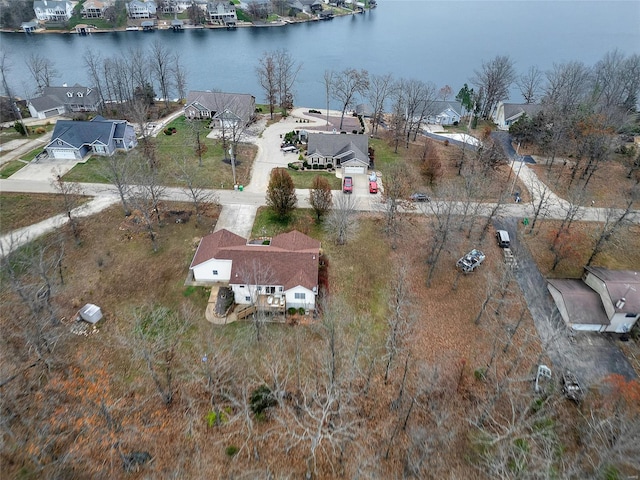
602, 300
29, 27
93, 9
52, 10
224, 109
282, 273
73, 140
141, 9
64, 100
506, 114
222, 13
349, 152
444, 113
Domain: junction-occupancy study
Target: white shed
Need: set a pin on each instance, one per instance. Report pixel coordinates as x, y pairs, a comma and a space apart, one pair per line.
90, 313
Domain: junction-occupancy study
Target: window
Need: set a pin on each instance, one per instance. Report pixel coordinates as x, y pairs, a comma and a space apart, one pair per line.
248, 299
259, 288
215, 272
279, 289
241, 286
299, 295
630, 315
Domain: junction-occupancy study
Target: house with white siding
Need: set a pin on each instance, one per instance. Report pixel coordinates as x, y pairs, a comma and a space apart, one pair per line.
348, 152
52, 10
282, 273
141, 9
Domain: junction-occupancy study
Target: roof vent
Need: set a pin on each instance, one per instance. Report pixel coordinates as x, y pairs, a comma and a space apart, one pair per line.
620, 303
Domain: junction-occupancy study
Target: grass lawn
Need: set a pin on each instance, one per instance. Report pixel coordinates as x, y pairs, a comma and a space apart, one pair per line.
267, 224
10, 168
179, 147
18, 210
305, 179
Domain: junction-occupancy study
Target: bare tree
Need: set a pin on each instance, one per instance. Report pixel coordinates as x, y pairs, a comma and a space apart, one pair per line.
42, 70
287, 69
540, 197
612, 220
179, 78
158, 333
380, 90
442, 213
71, 195
529, 84
494, 78
194, 185
347, 85
268, 78
341, 221
399, 319
5, 68
146, 197
160, 61
117, 169
396, 193
418, 96
257, 278
567, 87
328, 82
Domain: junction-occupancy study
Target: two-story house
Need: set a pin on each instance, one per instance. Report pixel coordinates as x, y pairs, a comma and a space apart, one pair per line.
52, 10
222, 13
141, 9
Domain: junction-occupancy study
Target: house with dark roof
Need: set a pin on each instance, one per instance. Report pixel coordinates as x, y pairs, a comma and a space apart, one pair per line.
282, 274
64, 100
444, 112
506, 114
73, 140
349, 152
224, 109
52, 10
602, 300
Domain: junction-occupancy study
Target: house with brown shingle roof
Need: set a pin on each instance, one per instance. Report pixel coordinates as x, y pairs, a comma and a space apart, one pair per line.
283, 273
602, 300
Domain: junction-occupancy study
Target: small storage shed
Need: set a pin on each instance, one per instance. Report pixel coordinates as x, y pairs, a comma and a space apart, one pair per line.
90, 313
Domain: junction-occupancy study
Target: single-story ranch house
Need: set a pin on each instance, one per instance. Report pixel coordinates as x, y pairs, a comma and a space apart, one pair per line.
281, 274
60, 100
224, 109
350, 152
444, 113
602, 301
506, 114
74, 140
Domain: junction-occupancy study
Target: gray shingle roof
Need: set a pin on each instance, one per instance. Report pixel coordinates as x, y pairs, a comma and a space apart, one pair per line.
53, 97
582, 303
334, 145
512, 110
97, 131
242, 104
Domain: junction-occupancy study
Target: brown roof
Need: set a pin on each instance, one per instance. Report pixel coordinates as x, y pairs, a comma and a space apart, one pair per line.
212, 243
290, 260
582, 303
620, 284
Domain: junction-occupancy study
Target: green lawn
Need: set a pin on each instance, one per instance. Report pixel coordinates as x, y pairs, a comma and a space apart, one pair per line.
305, 179
10, 168
267, 224
384, 155
180, 147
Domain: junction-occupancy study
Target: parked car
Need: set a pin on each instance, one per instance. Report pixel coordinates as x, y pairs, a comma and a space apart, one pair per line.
373, 187
289, 148
471, 261
347, 185
503, 238
571, 387
420, 197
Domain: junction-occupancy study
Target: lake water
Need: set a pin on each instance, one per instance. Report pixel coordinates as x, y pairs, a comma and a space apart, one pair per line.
442, 42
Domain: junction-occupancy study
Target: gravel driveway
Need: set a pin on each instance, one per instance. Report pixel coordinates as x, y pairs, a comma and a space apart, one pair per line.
591, 356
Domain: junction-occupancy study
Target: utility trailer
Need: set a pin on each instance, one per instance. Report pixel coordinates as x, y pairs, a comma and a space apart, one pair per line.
470, 261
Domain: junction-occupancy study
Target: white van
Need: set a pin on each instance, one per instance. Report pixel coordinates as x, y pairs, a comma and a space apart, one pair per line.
290, 148
503, 238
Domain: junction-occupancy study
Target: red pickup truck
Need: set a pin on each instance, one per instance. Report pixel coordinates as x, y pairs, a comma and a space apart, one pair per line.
347, 185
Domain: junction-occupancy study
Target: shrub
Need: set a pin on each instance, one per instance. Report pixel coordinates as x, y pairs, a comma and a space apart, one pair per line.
480, 374
315, 166
168, 131
354, 131
291, 310
455, 124
305, 164
329, 166
301, 311
41, 130
231, 450
321, 167
446, 143
261, 399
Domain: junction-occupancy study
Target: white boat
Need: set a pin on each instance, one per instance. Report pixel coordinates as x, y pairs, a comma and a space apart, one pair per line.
132, 28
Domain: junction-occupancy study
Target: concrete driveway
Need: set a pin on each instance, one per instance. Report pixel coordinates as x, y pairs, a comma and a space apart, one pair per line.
237, 219
591, 356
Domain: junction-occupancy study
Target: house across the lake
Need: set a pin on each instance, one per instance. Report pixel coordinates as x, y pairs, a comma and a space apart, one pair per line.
506, 114
73, 140
602, 300
278, 275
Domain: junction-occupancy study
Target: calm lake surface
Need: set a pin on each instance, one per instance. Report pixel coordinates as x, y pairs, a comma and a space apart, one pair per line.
442, 42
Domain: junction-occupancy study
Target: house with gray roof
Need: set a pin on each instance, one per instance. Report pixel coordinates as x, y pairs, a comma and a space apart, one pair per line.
349, 152
52, 10
64, 100
278, 275
444, 112
224, 109
506, 114
93, 9
72, 140
602, 300
222, 13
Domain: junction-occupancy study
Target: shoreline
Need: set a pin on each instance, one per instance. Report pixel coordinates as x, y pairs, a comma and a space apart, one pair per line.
166, 25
